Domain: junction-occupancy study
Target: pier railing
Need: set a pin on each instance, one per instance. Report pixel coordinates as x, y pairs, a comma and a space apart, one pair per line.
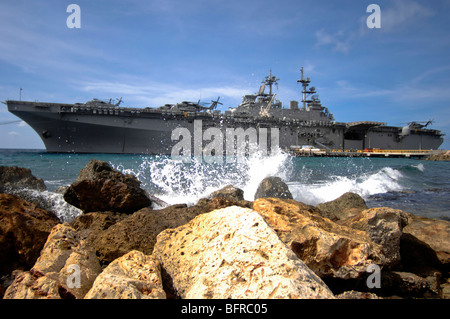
361, 153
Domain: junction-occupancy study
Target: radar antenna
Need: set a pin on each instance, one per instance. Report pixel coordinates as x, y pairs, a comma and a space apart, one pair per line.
305, 91
270, 80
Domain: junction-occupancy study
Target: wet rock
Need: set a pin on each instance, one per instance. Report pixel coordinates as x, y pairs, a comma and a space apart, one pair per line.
435, 234
13, 178
273, 187
66, 268
347, 205
229, 192
24, 229
384, 226
101, 188
329, 249
233, 253
132, 276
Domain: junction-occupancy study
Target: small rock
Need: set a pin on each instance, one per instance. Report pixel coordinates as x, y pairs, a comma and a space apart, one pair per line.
347, 205
229, 192
233, 253
273, 187
52, 276
357, 295
132, 276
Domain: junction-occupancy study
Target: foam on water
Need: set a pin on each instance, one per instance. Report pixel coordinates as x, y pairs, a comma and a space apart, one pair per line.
50, 201
385, 180
176, 182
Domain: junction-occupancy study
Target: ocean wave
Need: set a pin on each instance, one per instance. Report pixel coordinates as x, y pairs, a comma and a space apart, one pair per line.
177, 182
385, 180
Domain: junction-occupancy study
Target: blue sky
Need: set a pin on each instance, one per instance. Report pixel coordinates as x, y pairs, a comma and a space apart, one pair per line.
157, 52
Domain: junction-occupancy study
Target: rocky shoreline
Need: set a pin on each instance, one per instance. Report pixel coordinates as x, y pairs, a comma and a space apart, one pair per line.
123, 245
439, 156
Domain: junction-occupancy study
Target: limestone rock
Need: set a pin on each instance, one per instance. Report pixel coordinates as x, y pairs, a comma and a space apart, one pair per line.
329, 249
357, 295
101, 188
347, 205
273, 187
66, 268
24, 229
384, 226
440, 156
132, 276
18, 178
233, 253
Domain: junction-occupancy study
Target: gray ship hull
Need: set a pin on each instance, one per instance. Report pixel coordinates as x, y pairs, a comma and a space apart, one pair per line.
77, 128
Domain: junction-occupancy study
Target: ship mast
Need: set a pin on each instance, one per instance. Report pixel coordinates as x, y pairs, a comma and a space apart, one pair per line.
270, 80
305, 84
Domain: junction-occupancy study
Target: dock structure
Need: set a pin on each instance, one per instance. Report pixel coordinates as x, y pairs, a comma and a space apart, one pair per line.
361, 153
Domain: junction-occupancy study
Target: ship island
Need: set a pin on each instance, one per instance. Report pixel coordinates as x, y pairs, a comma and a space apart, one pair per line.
305, 127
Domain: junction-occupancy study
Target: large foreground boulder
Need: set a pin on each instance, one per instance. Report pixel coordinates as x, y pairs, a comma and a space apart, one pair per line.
233, 253
384, 226
101, 188
132, 276
66, 269
329, 249
24, 229
433, 234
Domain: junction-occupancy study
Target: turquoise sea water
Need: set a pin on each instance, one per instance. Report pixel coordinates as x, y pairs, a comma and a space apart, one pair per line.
416, 186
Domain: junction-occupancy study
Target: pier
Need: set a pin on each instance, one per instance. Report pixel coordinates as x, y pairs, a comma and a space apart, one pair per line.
360, 153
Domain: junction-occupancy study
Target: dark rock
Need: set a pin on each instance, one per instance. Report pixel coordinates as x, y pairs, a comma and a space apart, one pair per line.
24, 229
18, 178
229, 192
273, 187
138, 231
435, 234
407, 284
92, 224
347, 205
100, 188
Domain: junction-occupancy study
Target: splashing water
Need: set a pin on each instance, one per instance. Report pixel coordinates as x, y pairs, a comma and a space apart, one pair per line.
177, 182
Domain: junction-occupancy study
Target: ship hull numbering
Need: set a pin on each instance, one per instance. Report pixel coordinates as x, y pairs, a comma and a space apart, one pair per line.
101, 127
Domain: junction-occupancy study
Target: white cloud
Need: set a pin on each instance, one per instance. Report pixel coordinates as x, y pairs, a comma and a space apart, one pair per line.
339, 41
13, 133
403, 13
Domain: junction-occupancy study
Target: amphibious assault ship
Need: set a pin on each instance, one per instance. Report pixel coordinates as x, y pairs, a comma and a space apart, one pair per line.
105, 127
